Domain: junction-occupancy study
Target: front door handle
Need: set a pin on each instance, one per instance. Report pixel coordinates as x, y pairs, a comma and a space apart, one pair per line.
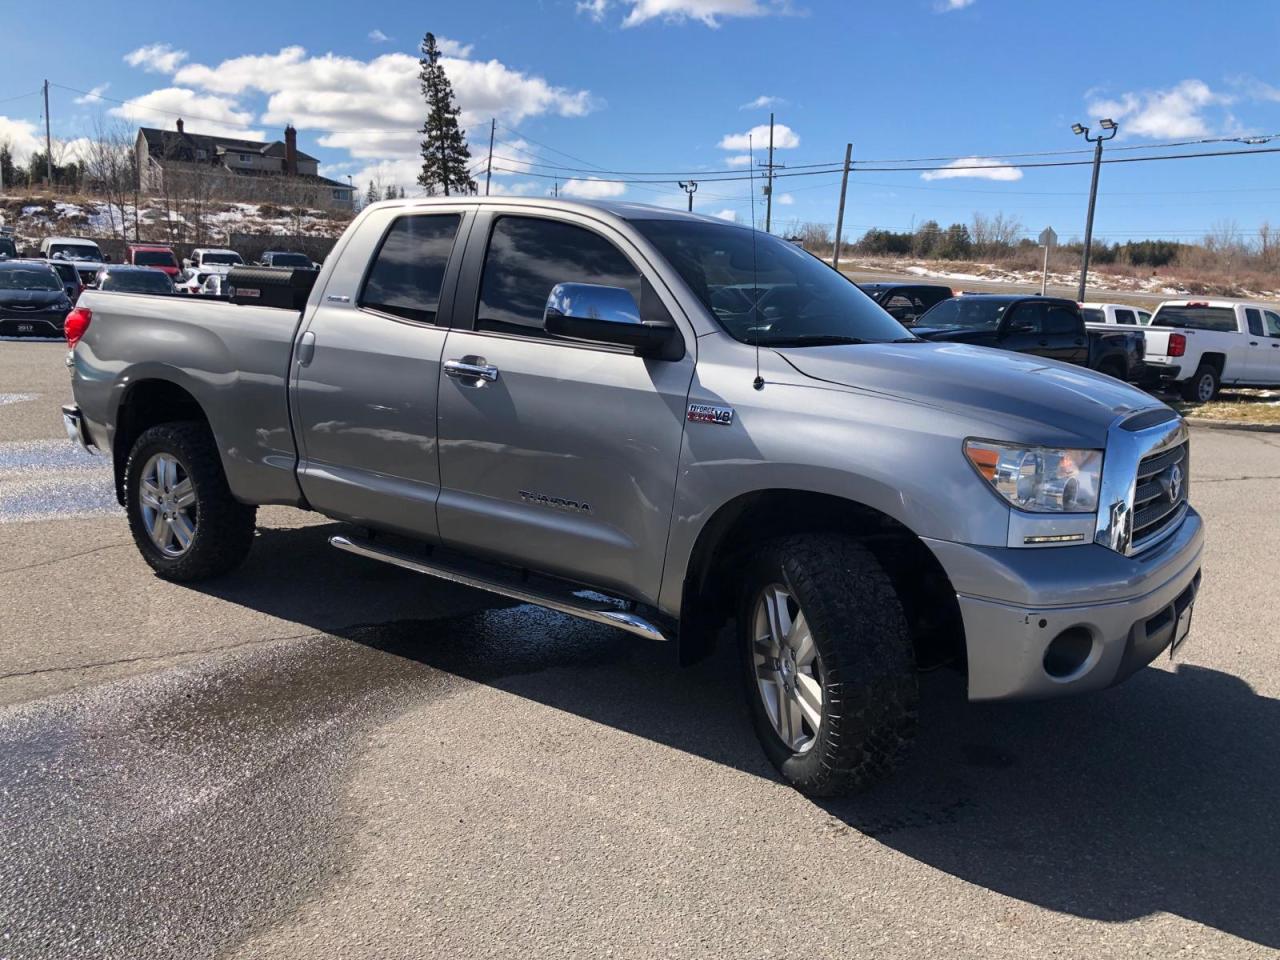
470, 368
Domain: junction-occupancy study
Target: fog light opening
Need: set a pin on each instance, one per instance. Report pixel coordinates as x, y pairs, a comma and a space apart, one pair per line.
1068, 653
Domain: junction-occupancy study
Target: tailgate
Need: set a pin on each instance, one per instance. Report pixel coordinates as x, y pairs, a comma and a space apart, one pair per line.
1157, 341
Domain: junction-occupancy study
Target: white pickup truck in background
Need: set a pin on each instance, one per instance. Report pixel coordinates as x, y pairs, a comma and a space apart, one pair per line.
205, 262
1114, 314
1199, 345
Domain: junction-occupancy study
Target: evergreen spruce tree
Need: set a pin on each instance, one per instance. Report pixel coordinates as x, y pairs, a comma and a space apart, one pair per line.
445, 157
371, 195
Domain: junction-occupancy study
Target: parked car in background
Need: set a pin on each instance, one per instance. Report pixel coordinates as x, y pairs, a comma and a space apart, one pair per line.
155, 256
1115, 314
203, 263
1042, 326
542, 397
85, 254
906, 302
8, 249
69, 276
33, 302
1196, 346
127, 278
286, 258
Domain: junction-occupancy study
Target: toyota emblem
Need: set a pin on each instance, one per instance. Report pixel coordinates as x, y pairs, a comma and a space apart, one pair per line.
1175, 483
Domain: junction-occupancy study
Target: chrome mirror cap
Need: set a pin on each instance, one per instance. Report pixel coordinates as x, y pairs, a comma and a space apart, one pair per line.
591, 301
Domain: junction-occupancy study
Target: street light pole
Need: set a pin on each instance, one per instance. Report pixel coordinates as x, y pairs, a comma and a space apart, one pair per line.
690, 187
1113, 128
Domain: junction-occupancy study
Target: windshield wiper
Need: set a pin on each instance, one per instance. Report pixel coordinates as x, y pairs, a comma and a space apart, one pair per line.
815, 340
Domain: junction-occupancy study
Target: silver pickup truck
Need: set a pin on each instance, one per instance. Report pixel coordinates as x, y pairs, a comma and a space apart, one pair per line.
677, 426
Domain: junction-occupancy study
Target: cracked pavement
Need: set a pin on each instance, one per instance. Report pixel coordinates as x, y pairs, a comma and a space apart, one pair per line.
319, 756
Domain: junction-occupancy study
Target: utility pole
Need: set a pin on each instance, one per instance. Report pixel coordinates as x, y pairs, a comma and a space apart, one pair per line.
48, 140
844, 188
690, 187
488, 171
1097, 142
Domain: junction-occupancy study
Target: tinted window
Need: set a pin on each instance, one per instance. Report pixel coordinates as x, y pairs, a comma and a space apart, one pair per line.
1093, 315
762, 289
154, 258
945, 314
67, 271
290, 260
8, 248
1254, 318
1196, 318
903, 308
223, 258
528, 256
968, 313
1027, 318
409, 269
1061, 321
1124, 316
135, 281
1143, 317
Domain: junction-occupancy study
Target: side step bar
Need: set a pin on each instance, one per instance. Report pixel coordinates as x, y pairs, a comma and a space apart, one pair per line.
569, 604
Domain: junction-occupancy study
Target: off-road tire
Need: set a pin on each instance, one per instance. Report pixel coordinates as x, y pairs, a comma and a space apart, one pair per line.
1191, 389
225, 529
870, 692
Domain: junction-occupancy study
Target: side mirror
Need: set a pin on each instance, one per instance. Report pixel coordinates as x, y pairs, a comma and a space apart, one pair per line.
591, 311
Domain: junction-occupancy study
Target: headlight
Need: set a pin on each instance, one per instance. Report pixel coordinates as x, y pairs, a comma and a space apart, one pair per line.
1039, 479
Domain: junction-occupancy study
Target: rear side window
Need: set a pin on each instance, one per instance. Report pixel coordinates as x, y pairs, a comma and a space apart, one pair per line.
1061, 321
1255, 322
408, 270
528, 256
1093, 315
1196, 318
1125, 316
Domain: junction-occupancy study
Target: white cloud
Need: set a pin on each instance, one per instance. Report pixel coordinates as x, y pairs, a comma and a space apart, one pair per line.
784, 138
739, 160
377, 36
785, 199
94, 95
1177, 111
728, 213
156, 58
22, 138
761, 102
946, 6
986, 169
454, 48
593, 188
594, 9
1255, 89
704, 11
213, 115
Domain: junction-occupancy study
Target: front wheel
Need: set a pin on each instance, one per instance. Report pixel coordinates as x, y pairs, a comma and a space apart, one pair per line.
1203, 385
828, 663
183, 518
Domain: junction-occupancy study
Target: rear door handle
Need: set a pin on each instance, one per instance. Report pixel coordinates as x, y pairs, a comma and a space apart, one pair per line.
470, 368
306, 348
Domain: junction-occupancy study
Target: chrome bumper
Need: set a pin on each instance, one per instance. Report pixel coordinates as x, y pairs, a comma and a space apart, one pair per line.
74, 424
1016, 603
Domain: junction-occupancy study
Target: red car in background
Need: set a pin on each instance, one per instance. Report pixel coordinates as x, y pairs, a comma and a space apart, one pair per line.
155, 256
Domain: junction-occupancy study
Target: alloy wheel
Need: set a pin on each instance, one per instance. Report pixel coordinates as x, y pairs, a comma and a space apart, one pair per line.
167, 498
788, 670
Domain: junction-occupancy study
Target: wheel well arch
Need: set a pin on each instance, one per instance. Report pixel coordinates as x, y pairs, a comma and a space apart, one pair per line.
144, 405
1216, 360
710, 585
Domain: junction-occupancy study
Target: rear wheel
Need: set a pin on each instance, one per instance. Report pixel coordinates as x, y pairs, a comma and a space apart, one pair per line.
1203, 385
828, 663
183, 518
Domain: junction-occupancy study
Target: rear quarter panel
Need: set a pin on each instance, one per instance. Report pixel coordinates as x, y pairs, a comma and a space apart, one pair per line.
233, 359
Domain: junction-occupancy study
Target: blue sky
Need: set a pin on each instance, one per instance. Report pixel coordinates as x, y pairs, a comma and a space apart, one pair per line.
665, 85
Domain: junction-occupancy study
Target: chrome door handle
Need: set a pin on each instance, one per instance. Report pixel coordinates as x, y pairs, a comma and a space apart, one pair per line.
465, 369
306, 349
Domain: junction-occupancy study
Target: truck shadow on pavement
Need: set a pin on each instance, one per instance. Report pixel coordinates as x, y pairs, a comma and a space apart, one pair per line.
1162, 794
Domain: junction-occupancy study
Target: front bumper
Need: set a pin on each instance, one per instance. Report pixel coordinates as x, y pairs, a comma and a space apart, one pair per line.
1121, 612
32, 324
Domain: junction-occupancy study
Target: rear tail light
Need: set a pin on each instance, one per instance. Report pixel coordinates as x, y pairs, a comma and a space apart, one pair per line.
76, 324
1177, 344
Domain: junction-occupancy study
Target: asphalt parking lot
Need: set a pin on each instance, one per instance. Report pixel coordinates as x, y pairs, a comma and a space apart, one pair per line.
320, 756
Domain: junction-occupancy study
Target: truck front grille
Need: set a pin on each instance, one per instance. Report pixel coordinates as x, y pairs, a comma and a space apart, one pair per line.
1160, 495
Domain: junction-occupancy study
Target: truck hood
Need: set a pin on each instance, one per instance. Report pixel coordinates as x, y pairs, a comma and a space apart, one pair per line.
995, 386
949, 333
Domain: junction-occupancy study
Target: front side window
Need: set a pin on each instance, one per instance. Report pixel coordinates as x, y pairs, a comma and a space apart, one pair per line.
762, 289
1144, 318
1028, 318
528, 256
1273, 324
408, 270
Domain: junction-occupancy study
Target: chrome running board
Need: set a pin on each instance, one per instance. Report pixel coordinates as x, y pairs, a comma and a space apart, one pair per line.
574, 606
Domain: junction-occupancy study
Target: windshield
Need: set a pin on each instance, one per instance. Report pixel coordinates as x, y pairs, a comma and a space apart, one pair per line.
290, 260
136, 281
965, 313
209, 258
29, 278
1196, 318
76, 251
154, 258
769, 292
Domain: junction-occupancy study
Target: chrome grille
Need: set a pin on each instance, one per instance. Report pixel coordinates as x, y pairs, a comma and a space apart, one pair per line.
1160, 496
